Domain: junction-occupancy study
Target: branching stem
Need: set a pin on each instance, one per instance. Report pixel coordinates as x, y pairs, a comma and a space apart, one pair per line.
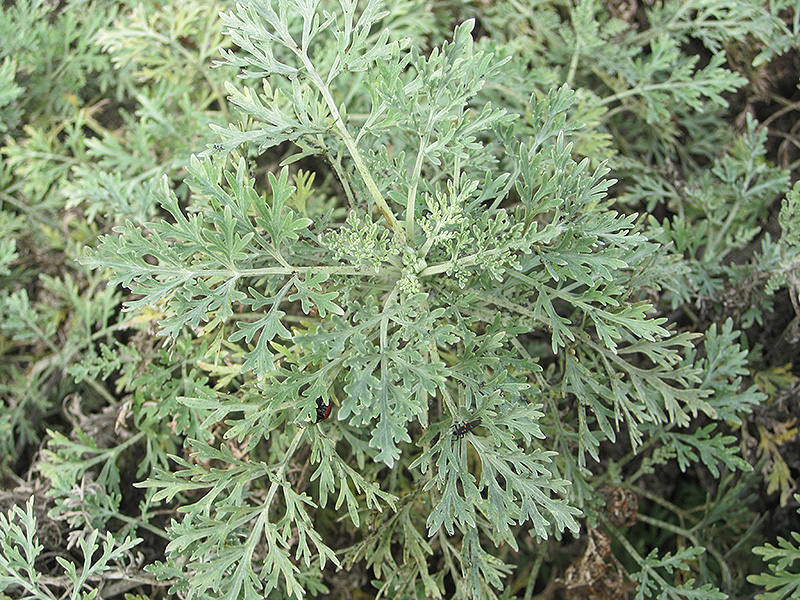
350, 143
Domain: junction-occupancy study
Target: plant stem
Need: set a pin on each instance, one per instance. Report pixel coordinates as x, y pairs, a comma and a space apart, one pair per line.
348, 140
411, 200
260, 524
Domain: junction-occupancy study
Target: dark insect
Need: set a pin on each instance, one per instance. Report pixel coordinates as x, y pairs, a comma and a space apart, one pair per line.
323, 411
217, 147
461, 430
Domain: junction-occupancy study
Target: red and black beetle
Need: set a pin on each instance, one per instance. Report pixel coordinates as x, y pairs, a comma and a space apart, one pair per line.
323, 411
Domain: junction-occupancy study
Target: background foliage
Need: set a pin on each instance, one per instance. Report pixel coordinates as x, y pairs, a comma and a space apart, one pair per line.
399, 299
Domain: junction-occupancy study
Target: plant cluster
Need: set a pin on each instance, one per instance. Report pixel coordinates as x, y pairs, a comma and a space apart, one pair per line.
398, 299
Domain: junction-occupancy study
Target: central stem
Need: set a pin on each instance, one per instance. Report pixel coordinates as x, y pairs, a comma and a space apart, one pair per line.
352, 148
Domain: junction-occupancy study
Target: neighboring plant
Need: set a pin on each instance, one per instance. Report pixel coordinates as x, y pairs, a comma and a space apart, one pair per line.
20, 549
783, 579
84, 134
396, 328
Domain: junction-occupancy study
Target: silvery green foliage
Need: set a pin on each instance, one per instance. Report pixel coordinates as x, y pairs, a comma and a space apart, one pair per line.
783, 580
480, 273
20, 547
